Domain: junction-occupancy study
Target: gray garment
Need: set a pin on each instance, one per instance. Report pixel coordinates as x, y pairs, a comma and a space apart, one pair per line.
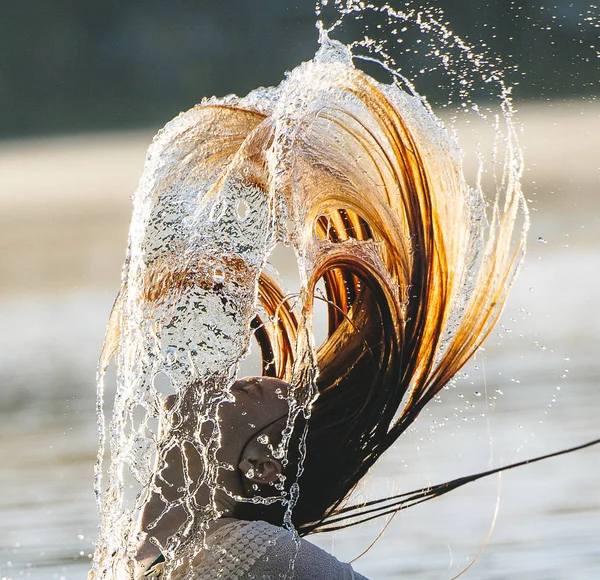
246, 550
298, 559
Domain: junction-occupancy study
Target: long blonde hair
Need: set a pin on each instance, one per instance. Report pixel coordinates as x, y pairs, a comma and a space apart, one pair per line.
363, 182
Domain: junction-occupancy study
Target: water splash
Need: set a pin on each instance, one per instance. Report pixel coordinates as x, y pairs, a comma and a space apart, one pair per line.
227, 181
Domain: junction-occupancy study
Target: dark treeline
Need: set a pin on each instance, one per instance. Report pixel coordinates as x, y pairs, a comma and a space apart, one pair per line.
73, 65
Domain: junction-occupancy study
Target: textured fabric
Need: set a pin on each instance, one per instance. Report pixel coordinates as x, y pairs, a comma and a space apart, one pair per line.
260, 551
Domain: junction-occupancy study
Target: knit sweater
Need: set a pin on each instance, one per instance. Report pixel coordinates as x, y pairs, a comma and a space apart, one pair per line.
257, 550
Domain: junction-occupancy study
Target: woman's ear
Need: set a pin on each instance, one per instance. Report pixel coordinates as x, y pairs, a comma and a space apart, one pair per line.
258, 466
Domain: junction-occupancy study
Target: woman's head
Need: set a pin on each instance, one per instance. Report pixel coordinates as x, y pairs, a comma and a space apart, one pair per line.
250, 428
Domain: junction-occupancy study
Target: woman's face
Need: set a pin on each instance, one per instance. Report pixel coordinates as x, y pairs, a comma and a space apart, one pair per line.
259, 402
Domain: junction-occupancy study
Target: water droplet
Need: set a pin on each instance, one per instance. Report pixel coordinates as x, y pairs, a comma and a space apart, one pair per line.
171, 356
242, 209
219, 275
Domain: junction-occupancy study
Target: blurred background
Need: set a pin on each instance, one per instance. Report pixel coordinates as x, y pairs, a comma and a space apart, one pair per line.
85, 85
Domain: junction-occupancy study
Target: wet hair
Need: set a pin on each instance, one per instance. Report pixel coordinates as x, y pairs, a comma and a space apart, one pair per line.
412, 289
414, 267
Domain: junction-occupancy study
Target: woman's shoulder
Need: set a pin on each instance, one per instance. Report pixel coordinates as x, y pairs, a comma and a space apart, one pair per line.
288, 556
240, 549
232, 551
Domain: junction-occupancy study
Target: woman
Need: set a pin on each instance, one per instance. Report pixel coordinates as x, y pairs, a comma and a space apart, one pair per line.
361, 180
